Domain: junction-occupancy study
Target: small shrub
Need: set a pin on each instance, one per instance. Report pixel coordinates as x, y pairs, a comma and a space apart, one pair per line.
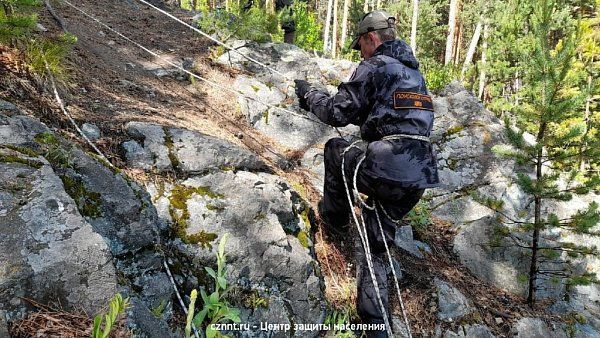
308, 30
216, 308
420, 216
39, 52
253, 24
16, 19
438, 76
337, 317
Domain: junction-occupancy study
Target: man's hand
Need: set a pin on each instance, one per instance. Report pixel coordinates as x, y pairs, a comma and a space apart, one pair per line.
302, 87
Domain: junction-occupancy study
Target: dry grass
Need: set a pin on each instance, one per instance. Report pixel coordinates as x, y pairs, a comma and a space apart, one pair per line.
49, 322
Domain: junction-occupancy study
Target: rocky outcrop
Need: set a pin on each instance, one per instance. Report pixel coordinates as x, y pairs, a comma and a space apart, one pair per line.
270, 257
470, 331
452, 304
299, 130
73, 231
162, 149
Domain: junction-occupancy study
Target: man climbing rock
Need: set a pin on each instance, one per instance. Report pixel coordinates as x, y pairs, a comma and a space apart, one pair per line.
387, 97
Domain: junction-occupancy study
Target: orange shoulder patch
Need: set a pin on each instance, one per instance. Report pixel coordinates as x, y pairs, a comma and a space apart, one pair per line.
409, 100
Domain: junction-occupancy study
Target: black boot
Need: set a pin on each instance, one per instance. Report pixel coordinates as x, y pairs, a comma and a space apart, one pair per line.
337, 226
376, 333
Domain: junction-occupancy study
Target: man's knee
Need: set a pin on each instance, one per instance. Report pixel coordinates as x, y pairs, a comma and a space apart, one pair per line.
334, 149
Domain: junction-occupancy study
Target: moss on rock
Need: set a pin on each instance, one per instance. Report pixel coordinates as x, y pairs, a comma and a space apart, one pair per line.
180, 214
303, 238
23, 150
170, 146
16, 159
88, 202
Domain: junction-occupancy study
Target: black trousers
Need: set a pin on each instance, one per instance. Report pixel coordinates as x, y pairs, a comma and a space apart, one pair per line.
335, 211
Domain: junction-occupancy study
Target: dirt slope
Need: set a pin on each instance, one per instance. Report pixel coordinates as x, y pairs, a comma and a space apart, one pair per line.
112, 81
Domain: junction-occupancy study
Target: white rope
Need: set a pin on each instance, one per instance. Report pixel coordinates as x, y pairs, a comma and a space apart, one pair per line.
185, 310
64, 110
196, 29
214, 84
366, 249
364, 237
211, 38
387, 250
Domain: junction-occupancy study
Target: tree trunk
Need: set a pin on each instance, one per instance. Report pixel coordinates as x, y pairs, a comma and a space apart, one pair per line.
483, 62
345, 22
458, 43
334, 39
270, 6
588, 101
327, 25
451, 31
413, 30
517, 87
472, 47
8, 9
537, 221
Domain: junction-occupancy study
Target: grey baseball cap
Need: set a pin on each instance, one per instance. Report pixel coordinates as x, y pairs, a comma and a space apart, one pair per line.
372, 21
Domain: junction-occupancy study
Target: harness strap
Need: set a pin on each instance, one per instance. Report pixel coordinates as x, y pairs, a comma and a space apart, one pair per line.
410, 136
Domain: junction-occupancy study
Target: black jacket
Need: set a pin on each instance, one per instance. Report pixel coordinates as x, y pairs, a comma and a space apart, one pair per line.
385, 96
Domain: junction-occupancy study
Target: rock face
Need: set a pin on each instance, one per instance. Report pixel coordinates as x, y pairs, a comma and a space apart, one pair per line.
162, 148
69, 227
463, 136
452, 304
298, 130
535, 328
270, 255
60, 256
470, 331
74, 231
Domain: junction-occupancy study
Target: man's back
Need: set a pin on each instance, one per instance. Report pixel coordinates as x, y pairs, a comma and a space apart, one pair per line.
387, 97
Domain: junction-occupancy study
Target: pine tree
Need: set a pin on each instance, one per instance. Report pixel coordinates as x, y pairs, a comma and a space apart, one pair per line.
550, 109
16, 21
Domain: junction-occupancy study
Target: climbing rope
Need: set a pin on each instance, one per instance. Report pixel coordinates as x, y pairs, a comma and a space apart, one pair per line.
362, 228
64, 110
362, 231
196, 29
212, 83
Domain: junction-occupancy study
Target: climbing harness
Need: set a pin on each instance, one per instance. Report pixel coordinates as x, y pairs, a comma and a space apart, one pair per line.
362, 227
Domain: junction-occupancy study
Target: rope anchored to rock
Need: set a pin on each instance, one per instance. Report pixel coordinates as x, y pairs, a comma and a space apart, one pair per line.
194, 75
